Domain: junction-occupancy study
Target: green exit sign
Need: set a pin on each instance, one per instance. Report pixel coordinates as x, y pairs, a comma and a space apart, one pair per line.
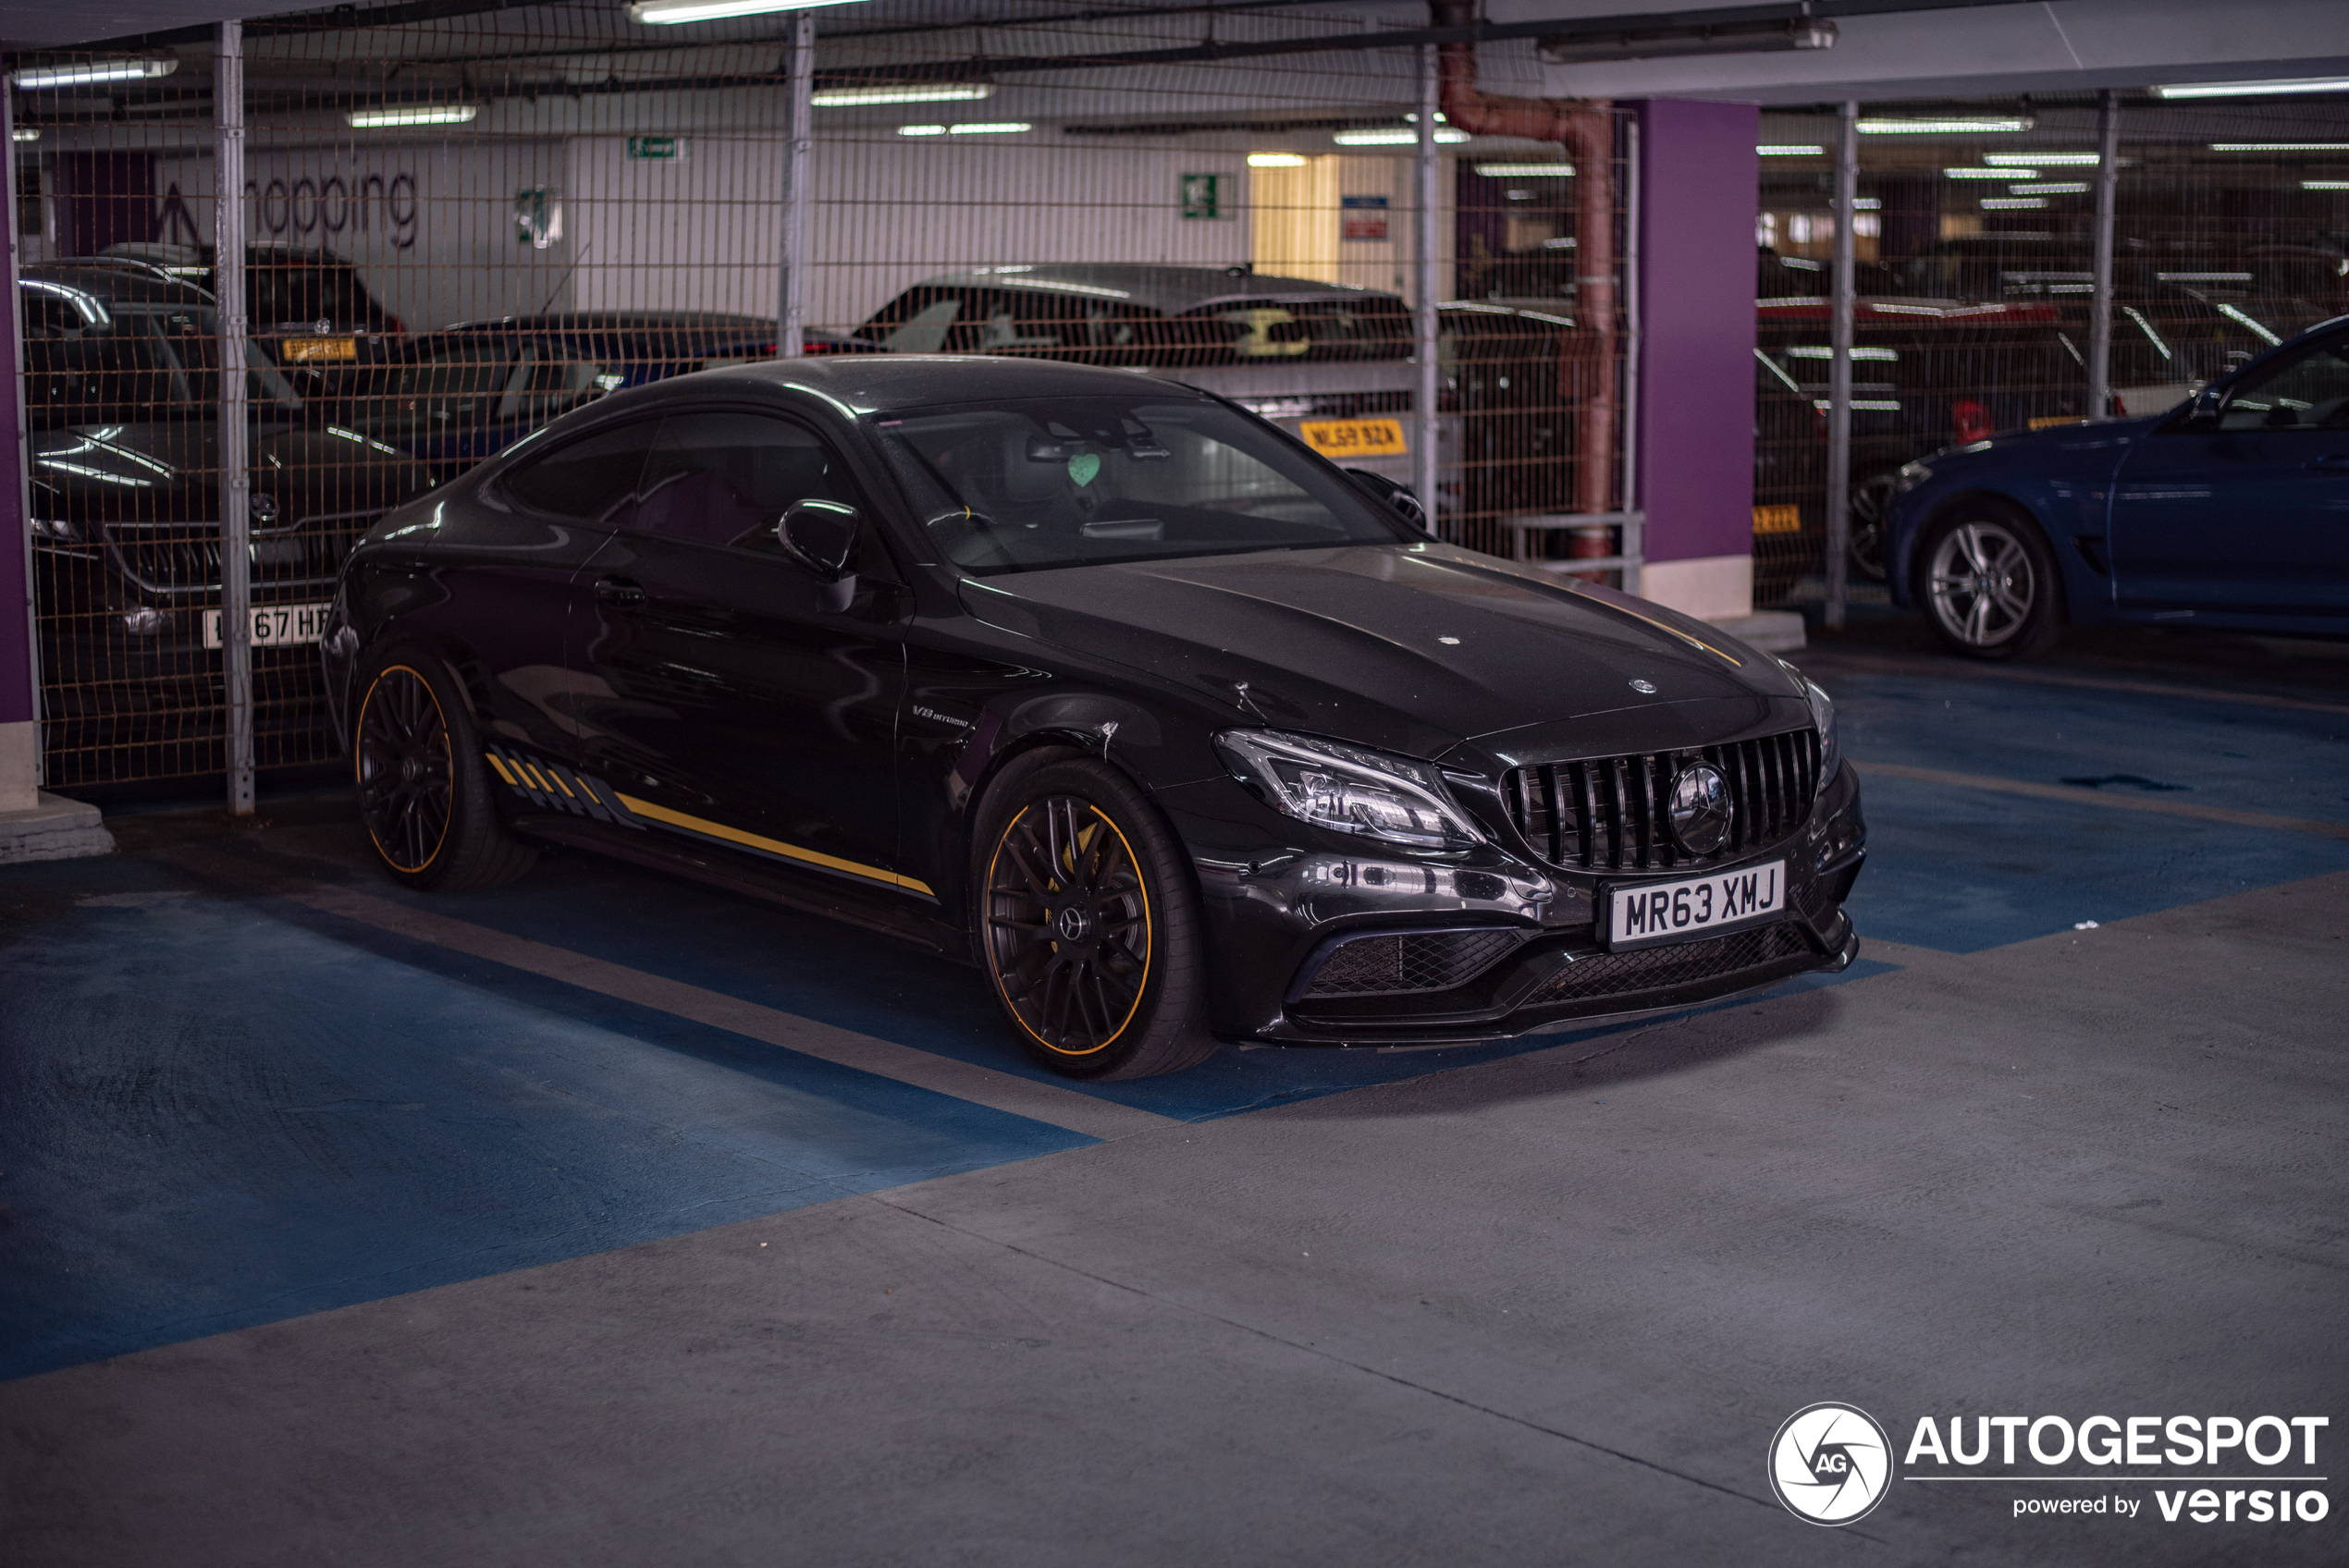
1204, 196
657, 148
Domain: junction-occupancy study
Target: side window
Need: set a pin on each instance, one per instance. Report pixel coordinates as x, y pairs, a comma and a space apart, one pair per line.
556, 376
590, 480
924, 332
720, 478
2311, 392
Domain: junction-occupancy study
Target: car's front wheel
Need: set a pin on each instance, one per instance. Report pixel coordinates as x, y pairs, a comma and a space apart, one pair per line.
423, 793
1086, 921
1990, 585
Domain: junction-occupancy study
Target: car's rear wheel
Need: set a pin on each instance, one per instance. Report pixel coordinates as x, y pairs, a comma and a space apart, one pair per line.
1990, 585
424, 792
1086, 923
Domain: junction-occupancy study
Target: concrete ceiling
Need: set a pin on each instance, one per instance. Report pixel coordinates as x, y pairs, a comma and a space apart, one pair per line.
47, 23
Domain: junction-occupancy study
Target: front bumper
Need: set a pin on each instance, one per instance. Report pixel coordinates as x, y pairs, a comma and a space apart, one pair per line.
1310, 945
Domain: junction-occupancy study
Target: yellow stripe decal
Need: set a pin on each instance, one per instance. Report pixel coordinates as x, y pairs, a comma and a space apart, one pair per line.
559, 782
535, 778
501, 769
773, 847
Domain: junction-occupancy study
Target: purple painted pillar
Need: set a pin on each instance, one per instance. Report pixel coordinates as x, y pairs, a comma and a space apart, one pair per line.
19, 749
1700, 183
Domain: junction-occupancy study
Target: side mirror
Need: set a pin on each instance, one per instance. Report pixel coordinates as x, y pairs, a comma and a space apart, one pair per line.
1398, 497
2201, 410
820, 536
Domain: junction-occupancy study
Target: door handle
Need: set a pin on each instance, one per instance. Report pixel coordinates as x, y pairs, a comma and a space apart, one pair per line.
2332, 462
619, 591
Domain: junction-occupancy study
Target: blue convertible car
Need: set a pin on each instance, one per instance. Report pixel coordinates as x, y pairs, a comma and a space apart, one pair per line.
2230, 510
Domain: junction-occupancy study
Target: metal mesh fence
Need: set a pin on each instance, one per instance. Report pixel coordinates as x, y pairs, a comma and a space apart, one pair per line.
458, 229
1975, 232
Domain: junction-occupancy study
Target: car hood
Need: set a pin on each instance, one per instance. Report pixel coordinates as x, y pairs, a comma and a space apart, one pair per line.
1414, 648
169, 471
2114, 434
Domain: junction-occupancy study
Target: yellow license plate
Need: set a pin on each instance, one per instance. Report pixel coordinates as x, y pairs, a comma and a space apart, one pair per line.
309, 351
1778, 519
2045, 420
1341, 438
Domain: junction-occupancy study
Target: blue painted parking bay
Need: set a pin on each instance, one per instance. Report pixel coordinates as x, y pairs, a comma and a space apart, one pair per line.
223, 1107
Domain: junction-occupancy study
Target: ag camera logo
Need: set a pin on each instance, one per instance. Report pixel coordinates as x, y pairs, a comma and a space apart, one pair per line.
1830, 1464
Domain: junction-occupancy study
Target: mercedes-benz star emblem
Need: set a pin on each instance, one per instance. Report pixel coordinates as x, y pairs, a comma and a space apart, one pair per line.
1701, 810
1646, 688
1073, 925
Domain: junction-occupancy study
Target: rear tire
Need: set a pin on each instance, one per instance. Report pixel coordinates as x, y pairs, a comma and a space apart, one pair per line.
423, 792
1990, 585
1086, 923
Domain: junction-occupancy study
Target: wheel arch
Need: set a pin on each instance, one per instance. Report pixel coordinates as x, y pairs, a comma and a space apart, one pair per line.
1912, 569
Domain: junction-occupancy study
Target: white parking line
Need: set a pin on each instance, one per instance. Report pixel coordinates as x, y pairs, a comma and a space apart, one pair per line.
1006, 1092
2099, 798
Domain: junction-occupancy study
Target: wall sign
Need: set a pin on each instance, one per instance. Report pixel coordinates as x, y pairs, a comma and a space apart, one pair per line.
660, 149
1362, 217
1203, 196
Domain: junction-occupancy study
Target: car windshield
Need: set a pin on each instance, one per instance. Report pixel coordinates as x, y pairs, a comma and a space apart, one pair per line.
1038, 484
89, 361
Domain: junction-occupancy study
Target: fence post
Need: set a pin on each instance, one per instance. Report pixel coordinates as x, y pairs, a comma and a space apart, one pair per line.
1424, 439
236, 483
1847, 199
798, 133
2100, 306
1634, 547
19, 644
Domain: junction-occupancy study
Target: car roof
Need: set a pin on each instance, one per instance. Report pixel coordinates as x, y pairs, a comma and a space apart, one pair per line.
882, 383
1171, 291
619, 321
118, 284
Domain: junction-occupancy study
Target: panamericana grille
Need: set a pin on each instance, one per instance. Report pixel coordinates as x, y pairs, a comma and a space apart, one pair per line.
1611, 813
170, 559
1655, 969
1419, 961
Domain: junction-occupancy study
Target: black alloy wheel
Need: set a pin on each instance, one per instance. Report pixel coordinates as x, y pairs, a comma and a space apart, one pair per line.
423, 792
1087, 924
1989, 585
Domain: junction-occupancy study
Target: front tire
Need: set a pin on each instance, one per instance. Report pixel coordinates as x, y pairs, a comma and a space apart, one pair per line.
1086, 923
1991, 585
423, 793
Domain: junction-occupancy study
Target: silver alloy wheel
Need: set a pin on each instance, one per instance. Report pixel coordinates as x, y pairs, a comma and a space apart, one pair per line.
1980, 584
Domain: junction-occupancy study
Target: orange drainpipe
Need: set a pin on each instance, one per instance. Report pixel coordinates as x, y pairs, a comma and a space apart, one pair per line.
1586, 355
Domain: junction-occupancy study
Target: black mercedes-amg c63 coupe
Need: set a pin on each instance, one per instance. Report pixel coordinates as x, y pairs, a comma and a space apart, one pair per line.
1175, 730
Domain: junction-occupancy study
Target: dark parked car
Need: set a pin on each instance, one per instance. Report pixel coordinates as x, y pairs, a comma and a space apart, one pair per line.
1102, 684
121, 393
307, 309
455, 397
2225, 511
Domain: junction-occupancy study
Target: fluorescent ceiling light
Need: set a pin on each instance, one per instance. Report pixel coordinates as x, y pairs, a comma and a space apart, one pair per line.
1274, 161
2051, 187
1666, 42
1992, 174
992, 128
1522, 171
393, 114
90, 72
2279, 146
1809, 351
1980, 125
2229, 312
1867, 203
938, 92
669, 13
921, 130
2066, 158
2324, 185
2254, 88
2013, 204
23, 134
1788, 150
1405, 138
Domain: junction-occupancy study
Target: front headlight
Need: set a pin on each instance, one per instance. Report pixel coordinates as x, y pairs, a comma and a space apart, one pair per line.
1910, 477
1822, 719
1347, 788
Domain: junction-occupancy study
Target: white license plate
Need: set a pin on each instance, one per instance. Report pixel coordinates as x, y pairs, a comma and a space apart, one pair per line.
274, 624
1654, 912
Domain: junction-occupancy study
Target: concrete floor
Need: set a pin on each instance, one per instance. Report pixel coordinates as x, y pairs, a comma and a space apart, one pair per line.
605, 1221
